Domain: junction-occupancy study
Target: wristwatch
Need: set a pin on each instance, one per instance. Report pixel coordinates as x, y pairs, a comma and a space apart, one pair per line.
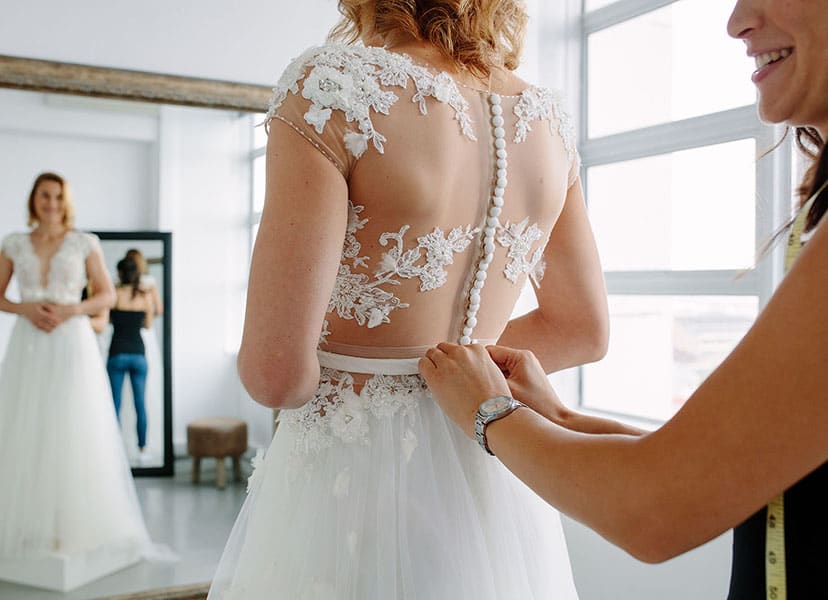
492, 410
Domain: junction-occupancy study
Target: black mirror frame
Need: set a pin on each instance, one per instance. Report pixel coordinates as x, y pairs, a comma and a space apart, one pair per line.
166, 470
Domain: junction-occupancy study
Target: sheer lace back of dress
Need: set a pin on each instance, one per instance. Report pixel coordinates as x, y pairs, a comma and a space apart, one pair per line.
453, 192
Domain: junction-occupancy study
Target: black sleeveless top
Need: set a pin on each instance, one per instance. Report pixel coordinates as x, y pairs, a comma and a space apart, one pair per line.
126, 334
806, 544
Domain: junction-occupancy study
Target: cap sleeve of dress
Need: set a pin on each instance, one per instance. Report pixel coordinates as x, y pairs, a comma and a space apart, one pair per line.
91, 243
314, 97
11, 246
566, 129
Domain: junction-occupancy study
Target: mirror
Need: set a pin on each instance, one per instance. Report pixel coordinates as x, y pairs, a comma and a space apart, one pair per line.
179, 161
156, 428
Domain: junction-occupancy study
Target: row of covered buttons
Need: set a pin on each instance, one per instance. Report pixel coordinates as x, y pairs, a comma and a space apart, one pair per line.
491, 220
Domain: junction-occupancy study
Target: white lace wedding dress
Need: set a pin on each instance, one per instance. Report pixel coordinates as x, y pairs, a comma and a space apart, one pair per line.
66, 487
368, 492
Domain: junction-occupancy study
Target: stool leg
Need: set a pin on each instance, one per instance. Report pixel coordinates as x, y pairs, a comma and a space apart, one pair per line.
196, 468
221, 478
237, 468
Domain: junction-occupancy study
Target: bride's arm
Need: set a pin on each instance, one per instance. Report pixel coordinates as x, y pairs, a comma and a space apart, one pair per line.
34, 312
293, 270
571, 325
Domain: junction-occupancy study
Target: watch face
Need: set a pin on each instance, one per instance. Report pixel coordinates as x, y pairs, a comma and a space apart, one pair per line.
492, 406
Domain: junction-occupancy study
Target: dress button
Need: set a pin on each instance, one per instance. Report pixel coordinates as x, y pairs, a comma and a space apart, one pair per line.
471, 322
497, 120
497, 201
497, 110
492, 223
502, 163
467, 331
465, 340
500, 143
480, 276
494, 211
501, 152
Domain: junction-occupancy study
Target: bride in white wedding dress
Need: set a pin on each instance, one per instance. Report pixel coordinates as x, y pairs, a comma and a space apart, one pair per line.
414, 183
66, 486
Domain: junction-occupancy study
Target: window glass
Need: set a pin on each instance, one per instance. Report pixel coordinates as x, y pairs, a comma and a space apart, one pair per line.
664, 66
689, 210
661, 349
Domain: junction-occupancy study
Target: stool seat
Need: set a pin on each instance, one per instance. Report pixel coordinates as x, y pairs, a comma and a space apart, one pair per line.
217, 437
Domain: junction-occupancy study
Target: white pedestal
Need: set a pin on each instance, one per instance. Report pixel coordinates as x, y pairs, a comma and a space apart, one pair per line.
64, 572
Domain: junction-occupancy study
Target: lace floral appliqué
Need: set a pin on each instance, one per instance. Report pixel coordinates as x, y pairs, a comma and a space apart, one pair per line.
364, 298
348, 79
337, 413
518, 238
542, 104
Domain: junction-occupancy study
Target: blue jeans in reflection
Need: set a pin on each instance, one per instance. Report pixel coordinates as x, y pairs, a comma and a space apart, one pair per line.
136, 365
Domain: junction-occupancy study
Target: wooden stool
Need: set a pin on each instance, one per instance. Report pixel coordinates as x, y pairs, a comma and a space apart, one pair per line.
218, 438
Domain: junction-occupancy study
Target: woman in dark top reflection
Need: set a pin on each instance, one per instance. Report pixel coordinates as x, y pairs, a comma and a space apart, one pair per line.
133, 311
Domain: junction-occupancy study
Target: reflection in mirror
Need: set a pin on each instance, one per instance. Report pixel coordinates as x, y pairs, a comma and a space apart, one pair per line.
141, 168
145, 416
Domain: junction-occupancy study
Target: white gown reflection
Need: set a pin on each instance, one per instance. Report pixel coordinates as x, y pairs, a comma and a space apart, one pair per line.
66, 485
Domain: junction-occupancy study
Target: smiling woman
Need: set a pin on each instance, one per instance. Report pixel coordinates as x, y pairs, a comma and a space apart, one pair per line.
60, 449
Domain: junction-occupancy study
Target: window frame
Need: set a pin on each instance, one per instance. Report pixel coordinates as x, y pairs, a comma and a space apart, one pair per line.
773, 170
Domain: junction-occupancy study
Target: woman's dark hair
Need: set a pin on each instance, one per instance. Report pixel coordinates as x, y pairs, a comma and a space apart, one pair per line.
811, 144
129, 275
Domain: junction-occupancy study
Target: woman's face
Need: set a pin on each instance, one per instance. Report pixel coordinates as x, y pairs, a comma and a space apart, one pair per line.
48, 203
789, 40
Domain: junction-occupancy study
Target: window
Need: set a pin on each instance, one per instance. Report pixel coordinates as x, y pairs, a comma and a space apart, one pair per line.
679, 202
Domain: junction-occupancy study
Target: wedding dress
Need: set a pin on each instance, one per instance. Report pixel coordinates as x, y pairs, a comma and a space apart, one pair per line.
66, 486
368, 491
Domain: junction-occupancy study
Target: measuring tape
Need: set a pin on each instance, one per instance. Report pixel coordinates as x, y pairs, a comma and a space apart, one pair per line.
776, 585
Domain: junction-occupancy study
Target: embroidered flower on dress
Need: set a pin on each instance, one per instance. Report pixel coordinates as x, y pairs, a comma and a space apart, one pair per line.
255, 479
518, 238
349, 79
542, 104
337, 412
356, 143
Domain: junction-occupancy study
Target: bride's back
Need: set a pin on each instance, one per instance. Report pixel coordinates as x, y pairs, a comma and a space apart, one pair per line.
436, 172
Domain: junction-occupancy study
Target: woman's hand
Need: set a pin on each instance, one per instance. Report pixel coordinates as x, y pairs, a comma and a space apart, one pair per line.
40, 316
62, 312
460, 378
528, 383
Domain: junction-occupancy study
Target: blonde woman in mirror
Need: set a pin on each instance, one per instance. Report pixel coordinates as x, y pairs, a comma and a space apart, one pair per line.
67, 488
749, 448
415, 186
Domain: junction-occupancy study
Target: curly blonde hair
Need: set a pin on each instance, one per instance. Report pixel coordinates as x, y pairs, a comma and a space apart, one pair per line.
476, 35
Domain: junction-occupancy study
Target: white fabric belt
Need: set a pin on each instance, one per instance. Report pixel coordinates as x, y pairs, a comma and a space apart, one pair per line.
377, 366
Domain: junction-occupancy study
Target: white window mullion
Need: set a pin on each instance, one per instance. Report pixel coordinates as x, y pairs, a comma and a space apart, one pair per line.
707, 130
618, 12
773, 206
683, 283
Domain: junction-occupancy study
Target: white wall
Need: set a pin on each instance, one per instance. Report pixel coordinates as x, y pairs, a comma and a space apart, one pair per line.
246, 40
205, 202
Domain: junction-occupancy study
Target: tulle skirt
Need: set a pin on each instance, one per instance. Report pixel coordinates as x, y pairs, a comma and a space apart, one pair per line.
376, 495
66, 485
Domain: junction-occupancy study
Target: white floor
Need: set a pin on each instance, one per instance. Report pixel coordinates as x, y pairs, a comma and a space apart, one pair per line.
194, 521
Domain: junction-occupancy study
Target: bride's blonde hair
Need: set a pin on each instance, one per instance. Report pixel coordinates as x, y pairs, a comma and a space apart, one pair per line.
476, 35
